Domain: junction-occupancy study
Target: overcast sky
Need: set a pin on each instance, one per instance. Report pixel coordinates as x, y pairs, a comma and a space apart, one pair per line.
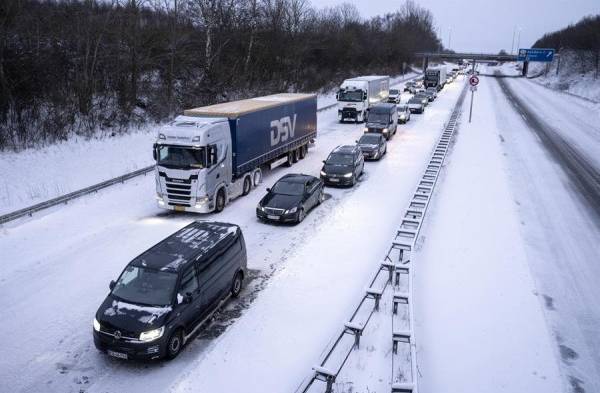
487, 25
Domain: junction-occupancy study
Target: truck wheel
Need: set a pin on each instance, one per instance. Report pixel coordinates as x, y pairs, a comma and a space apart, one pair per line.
247, 186
257, 177
220, 202
296, 155
174, 344
236, 285
290, 159
303, 150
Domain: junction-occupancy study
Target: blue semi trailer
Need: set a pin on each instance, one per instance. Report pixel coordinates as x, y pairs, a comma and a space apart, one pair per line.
212, 154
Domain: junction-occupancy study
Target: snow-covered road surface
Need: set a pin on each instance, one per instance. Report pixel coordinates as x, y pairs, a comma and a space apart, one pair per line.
306, 278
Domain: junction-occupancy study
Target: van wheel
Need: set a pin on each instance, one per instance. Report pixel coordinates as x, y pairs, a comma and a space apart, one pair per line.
236, 285
174, 344
247, 186
290, 159
220, 202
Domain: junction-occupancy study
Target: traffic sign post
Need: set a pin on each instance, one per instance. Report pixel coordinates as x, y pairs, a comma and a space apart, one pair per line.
473, 81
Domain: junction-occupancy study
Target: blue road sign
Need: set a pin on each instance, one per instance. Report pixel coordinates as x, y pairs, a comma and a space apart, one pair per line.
535, 54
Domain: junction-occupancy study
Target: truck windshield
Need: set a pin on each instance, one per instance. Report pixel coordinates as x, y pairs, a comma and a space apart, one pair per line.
394, 92
379, 117
178, 157
288, 188
145, 286
351, 96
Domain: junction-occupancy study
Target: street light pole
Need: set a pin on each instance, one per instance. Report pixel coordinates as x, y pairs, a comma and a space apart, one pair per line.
449, 37
512, 45
518, 38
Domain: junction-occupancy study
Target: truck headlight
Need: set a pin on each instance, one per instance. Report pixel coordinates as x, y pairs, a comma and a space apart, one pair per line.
292, 210
162, 136
152, 335
96, 325
201, 201
366, 129
348, 175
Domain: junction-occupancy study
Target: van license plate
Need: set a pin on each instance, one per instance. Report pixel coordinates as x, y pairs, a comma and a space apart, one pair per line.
270, 217
117, 354
180, 208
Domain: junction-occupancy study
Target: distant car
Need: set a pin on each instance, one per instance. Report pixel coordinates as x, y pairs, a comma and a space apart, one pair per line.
403, 113
424, 97
344, 165
409, 86
394, 96
433, 91
373, 146
170, 290
290, 199
415, 105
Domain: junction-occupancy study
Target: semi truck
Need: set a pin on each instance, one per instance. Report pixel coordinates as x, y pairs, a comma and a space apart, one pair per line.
435, 77
213, 154
357, 95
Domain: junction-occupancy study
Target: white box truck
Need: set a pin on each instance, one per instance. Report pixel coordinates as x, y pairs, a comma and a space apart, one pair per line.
215, 153
357, 95
435, 77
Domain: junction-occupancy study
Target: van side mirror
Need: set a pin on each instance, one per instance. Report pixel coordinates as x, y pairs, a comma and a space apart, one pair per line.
112, 285
324, 162
268, 189
187, 299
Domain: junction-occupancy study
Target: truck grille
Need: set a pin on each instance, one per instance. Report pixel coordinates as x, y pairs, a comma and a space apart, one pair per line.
179, 191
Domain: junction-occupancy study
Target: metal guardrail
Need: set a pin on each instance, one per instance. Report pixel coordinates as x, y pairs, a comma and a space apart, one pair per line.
404, 241
393, 275
28, 211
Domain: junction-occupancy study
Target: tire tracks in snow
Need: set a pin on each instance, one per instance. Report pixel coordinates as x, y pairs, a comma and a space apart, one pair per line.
582, 173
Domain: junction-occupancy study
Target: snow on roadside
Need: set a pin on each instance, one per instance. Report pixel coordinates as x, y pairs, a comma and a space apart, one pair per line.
479, 323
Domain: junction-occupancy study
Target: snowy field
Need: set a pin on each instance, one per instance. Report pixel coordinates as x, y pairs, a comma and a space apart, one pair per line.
33, 176
305, 279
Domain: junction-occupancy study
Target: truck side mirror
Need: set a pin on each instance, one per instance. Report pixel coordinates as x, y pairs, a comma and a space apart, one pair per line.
364, 96
154, 151
337, 96
112, 285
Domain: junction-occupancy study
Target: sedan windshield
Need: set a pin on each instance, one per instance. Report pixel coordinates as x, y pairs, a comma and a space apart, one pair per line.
288, 188
339, 159
145, 286
402, 108
352, 96
369, 139
178, 157
414, 101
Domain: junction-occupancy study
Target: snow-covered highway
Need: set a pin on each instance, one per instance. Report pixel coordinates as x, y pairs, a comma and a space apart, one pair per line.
306, 278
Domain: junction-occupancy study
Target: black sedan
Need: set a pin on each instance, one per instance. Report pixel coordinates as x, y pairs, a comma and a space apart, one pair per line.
373, 146
290, 199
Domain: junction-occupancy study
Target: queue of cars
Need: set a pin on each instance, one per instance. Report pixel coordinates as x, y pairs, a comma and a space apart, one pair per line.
164, 295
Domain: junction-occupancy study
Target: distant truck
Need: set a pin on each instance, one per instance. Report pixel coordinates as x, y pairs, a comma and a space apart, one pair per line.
213, 154
357, 95
435, 77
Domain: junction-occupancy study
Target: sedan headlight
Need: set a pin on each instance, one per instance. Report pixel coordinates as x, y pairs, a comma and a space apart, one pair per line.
96, 325
323, 173
403, 116
348, 174
385, 130
292, 210
366, 129
152, 335
259, 207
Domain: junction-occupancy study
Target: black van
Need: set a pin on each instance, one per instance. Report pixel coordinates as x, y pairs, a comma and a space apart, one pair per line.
167, 292
383, 119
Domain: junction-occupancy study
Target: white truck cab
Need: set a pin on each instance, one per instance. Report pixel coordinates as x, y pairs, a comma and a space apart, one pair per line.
357, 95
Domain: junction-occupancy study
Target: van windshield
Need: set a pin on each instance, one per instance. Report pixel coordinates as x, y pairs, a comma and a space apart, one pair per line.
179, 157
379, 117
339, 159
145, 286
351, 96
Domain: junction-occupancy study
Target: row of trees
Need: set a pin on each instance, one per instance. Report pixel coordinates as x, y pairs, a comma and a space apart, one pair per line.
578, 43
82, 66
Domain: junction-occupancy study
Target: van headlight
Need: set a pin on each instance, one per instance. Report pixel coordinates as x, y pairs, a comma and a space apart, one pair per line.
348, 175
323, 173
366, 129
385, 130
96, 325
152, 335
